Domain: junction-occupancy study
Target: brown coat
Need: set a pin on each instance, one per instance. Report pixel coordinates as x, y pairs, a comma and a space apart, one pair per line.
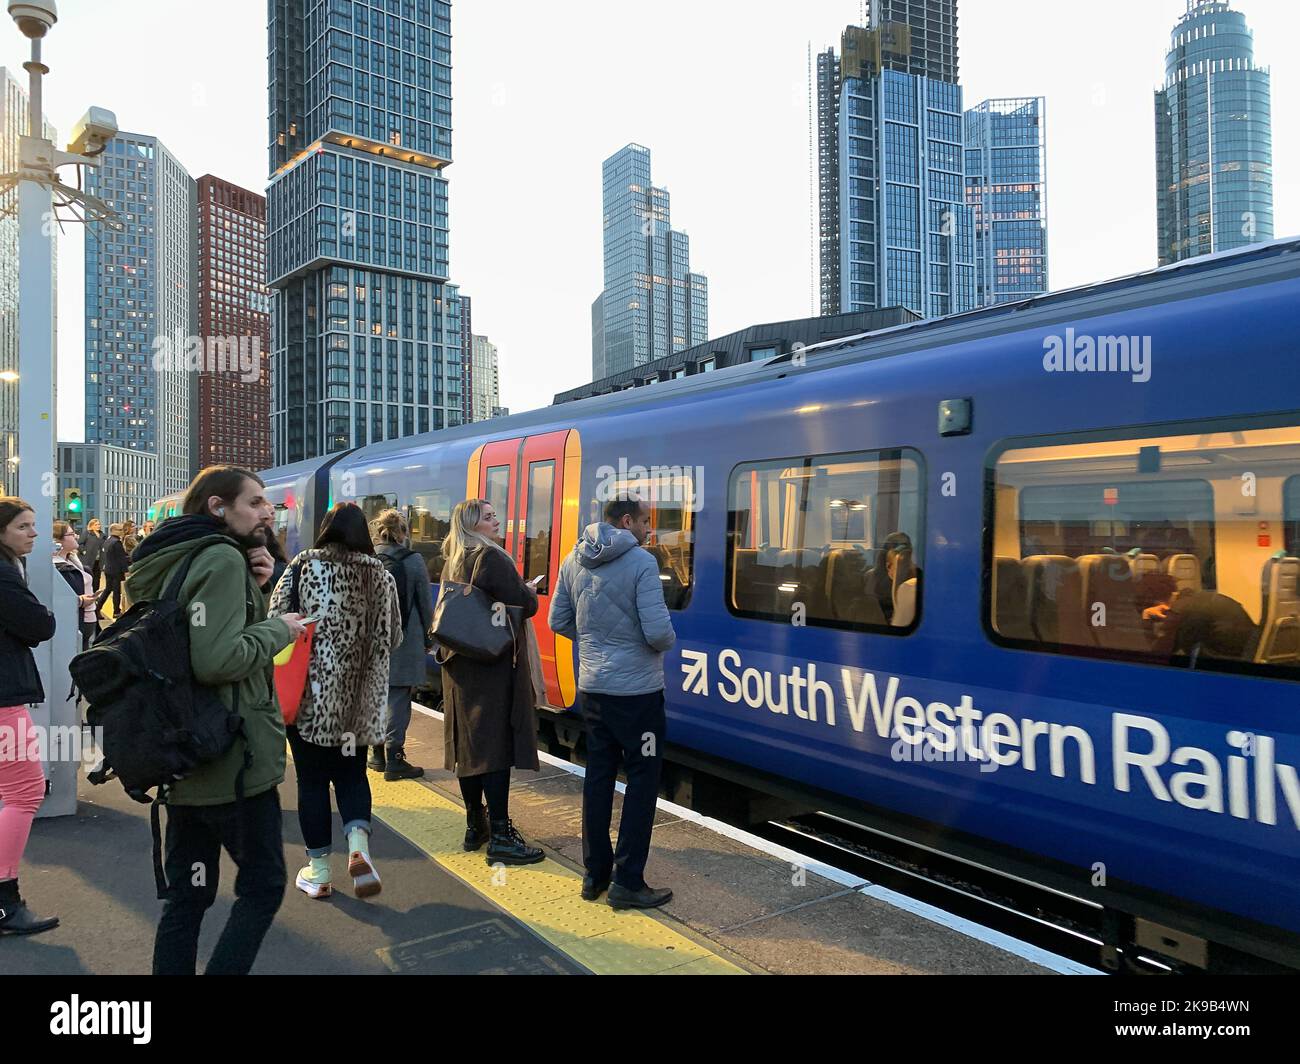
491, 719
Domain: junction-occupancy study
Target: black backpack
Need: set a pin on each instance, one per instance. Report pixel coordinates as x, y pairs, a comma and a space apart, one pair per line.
395, 563
159, 724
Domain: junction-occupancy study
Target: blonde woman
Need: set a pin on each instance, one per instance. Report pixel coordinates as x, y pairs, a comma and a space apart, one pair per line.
406, 668
490, 724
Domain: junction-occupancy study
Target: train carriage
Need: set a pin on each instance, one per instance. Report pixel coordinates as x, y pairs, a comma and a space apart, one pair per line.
910, 575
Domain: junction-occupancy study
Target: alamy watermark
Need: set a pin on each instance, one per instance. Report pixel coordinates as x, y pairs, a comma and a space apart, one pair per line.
1086, 353
211, 354
680, 485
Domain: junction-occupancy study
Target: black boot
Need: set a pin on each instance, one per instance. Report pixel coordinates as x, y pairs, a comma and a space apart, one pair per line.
16, 918
477, 832
507, 846
376, 762
401, 769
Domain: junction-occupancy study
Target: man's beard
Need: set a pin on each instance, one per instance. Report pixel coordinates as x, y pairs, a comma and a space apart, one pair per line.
256, 538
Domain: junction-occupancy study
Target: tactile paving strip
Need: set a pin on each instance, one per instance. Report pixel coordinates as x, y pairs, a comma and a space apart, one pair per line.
544, 896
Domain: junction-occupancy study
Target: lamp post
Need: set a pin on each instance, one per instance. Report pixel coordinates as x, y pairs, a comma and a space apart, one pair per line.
37, 183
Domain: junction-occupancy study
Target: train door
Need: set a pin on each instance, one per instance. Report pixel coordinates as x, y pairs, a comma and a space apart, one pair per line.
532, 483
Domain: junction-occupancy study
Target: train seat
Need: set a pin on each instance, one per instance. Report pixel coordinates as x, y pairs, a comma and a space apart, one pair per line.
846, 588
1011, 600
1143, 564
1107, 582
904, 604
1056, 599
1186, 571
1279, 641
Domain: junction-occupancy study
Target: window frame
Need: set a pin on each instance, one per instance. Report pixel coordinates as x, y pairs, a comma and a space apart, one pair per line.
1290, 492
836, 625
1117, 434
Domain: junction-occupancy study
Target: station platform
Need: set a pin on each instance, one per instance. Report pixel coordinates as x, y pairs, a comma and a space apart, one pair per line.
737, 908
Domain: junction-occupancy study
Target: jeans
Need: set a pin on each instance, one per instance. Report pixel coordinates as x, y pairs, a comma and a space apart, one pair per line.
399, 718
628, 728
22, 786
251, 833
318, 767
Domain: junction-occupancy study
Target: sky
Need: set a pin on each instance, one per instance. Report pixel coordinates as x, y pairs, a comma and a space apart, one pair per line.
717, 89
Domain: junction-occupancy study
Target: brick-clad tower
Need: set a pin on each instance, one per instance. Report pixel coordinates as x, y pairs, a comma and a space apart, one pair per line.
234, 393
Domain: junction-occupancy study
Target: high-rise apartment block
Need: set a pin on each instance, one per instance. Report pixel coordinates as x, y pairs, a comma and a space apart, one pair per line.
894, 225
1214, 137
487, 379
1006, 176
365, 329
234, 387
141, 307
652, 304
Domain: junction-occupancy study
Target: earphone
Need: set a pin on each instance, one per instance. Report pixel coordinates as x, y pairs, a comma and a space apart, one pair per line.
221, 511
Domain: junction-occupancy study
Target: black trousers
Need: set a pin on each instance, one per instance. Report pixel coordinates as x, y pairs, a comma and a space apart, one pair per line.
627, 728
317, 768
113, 590
252, 834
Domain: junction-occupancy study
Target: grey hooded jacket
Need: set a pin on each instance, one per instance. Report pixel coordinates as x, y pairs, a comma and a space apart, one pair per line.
610, 600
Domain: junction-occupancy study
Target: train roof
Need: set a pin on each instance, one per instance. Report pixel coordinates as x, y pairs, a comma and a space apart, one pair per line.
1224, 271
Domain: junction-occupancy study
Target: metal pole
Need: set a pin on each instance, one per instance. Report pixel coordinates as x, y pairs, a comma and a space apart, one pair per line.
37, 468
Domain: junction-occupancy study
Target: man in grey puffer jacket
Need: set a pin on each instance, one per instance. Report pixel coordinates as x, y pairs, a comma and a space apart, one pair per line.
610, 600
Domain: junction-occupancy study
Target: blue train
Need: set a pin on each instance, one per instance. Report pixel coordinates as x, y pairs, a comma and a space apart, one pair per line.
1020, 584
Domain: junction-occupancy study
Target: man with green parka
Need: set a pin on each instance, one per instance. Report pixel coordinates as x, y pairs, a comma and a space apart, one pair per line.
232, 644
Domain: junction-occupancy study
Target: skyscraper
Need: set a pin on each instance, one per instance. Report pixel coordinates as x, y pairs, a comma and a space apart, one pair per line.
13, 125
234, 384
140, 307
1006, 176
652, 304
487, 381
365, 334
1214, 137
466, 359
891, 167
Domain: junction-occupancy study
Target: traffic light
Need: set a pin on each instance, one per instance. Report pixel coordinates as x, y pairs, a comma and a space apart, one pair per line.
72, 502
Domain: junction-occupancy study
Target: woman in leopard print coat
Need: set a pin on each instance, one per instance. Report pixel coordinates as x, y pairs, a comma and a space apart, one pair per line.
345, 587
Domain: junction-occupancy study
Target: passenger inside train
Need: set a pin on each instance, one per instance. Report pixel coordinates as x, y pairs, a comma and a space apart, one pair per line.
1183, 549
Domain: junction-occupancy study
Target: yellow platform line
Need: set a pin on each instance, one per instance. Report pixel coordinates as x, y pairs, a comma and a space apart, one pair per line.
544, 896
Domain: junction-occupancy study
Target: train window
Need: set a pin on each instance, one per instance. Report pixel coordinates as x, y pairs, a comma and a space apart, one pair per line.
832, 540
498, 493
1171, 549
429, 516
373, 505
538, 520
670, 493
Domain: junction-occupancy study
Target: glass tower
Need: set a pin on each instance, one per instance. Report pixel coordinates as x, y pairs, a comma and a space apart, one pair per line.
894, 225
365, 334
1214, 137
141, 307
1006, 174
652, 304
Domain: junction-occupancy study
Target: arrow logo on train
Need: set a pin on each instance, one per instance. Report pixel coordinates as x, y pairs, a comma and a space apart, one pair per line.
695, 664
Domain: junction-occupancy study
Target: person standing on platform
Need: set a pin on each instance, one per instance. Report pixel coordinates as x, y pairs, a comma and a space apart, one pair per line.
92, 549
24, 624
116, 562
346, 589
233, 802
490, 707
406, 670
610, 600
74, 571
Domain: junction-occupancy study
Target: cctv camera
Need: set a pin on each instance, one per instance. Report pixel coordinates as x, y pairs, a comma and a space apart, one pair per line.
34, 17
93, 131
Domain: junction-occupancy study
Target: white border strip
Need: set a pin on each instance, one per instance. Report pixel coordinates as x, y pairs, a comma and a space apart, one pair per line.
1034, 954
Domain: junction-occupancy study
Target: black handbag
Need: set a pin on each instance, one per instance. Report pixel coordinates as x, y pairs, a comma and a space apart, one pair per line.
466, 622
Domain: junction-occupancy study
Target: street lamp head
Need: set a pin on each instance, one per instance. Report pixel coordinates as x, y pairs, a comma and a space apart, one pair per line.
34, 17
